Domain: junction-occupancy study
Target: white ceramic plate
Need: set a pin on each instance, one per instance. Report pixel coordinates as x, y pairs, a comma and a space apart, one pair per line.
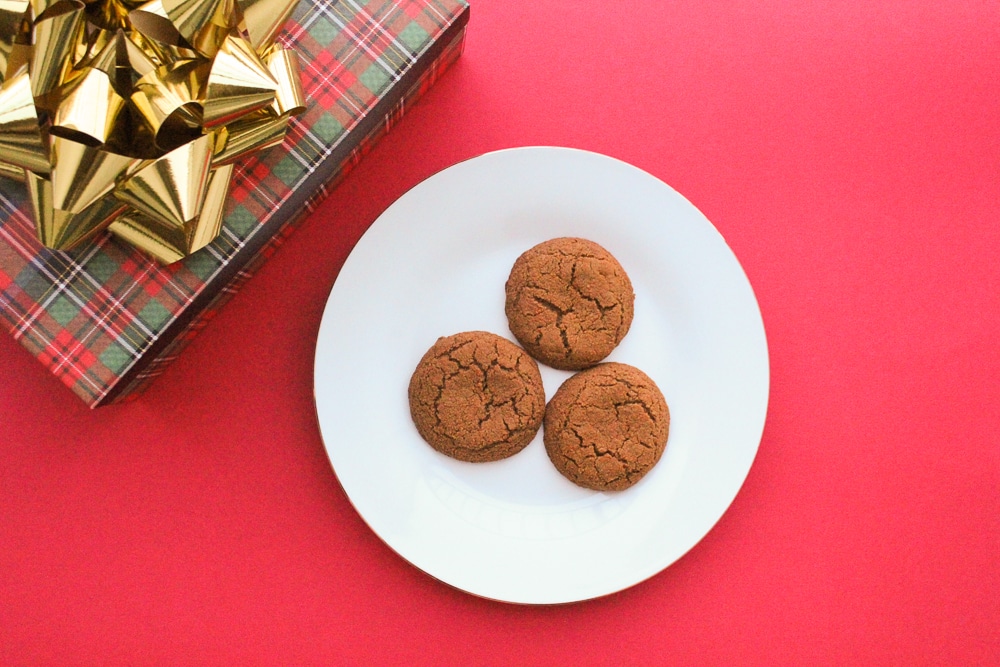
435, 264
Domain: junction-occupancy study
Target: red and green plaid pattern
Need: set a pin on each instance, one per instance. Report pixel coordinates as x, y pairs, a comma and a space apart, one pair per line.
106, 319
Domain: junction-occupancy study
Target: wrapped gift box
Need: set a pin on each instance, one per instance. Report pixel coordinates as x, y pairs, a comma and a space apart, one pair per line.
106, 319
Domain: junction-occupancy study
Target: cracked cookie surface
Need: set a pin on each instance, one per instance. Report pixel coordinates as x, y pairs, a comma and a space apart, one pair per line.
569, 302
477, 397
606, 427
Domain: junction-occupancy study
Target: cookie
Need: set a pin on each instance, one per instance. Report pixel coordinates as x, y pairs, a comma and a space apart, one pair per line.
569, 302
477, 397
606, 427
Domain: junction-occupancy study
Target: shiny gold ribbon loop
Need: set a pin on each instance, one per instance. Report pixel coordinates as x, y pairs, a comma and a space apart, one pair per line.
204, 23
89, 108
171, 242
14, 27
57, 32
59, 228
151, 21
168, 100
21, 140
171, 189
263, 19
283, 65
248, 135
238, 83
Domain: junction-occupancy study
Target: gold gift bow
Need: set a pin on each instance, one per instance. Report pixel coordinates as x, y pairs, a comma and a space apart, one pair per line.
129, 116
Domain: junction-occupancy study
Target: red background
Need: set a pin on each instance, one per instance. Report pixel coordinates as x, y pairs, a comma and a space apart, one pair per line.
848, 152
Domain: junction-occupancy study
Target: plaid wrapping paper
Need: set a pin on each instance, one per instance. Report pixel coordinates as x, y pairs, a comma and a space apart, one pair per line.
106, 319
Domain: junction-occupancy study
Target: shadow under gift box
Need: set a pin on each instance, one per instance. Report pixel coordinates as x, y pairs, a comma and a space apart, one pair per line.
106, 319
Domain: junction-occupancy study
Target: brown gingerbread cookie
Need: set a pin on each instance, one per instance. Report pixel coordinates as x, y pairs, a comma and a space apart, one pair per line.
477, 397
606, 427
569, 302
